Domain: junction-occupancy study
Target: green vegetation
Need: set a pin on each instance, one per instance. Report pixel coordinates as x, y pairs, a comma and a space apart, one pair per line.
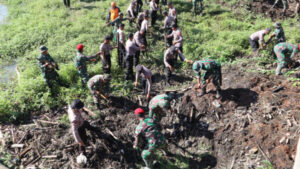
220, 34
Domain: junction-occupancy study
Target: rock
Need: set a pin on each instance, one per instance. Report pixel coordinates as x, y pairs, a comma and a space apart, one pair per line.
254, 150
216, 103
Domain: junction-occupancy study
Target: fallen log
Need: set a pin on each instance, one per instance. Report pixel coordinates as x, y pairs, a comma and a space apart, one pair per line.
24, 152
17, 146
50, 156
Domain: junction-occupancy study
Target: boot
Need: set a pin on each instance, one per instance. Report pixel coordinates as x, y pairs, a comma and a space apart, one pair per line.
278, 70
218, 93
203, 91
168, 83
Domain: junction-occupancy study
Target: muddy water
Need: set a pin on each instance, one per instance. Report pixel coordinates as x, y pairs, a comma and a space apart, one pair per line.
7, 70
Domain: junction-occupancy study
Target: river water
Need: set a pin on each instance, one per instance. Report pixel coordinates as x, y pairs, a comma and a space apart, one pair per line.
7, 70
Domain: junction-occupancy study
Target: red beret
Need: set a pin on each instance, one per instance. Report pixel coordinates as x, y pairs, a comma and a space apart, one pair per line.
79, 46
139, 111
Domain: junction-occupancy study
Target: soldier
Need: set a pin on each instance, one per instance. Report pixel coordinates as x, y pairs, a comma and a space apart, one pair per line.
146, 79
139, 41
170, 58
131, 56
80, 63
168, 22
177, 37
212, 70
257, 39
48, 67
140, 19
113, 12
116, 23
195, 6
105, 49
281, 50
160, 104
99, 88
278, 34
153, 12
148, 131
79, 125
172, 12
121, 45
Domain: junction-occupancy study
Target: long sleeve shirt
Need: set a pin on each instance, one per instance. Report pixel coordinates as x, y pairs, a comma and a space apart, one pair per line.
131, 48
141, 16
169, 20
138, 39
76, 121
285, 48
121, 36
118, 21
145, 26
81, 59
153, 6
130, 9
169, 56
96, 84
172, 12
105, 48
147, 74
258, 36
177, 37
42, 59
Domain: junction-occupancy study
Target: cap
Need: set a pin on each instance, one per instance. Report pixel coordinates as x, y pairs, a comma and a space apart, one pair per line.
107, 37
107, 77
43, 48
138, 68
139, 111
174, 25
130, 35
121, 13
146, 15
165, 13
79, 46
268, 29
113, 4
77, 104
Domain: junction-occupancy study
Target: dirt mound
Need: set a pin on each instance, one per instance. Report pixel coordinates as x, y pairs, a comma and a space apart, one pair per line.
255, 120
267, 8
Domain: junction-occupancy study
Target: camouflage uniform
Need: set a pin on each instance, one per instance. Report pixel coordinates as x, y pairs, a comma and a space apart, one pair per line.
211, 68
279, 35
147, 130
157, 105
49, 74
80, 63
96, 84
281, 50
195, 5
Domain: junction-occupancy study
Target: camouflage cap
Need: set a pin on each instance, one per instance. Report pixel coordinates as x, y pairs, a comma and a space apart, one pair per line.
43, 48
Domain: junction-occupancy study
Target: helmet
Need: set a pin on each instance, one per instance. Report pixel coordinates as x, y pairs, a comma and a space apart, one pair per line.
79, 46
113, 4
77, 104
139, 111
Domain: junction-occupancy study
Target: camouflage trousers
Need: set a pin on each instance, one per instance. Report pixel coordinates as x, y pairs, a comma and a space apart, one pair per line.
216, 76
282, 61
84, 75
195, 7
149, 150
50, 78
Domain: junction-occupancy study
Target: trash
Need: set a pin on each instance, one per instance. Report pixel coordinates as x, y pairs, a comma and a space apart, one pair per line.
81, 159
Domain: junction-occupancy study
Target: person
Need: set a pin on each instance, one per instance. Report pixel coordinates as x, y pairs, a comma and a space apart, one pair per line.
297, 158
177, 37
170, 58
105, 49
281, 50
147, 131
285, 6
168, 22
172, 12
48, 67
141, 18
113, 12
80, 63
160, 104
146, 79
79, 125
139, 6
139, 41
153, 12
297, 7
278, 34
257, 39
121, 44
117, 23
145, 29
131, 56
195, 2
131, 13
67, 3
99, 88
212, 70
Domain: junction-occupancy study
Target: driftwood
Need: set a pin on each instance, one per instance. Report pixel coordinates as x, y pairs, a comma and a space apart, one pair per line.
17, 146
112, 134
24, 152
50, 156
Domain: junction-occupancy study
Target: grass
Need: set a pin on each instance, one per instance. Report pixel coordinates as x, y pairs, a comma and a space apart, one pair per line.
220, 34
